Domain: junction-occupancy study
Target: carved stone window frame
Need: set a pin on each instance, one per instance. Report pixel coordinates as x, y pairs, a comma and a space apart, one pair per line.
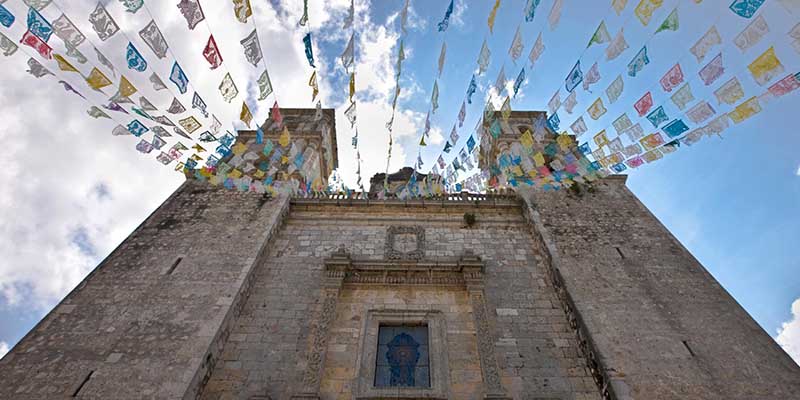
437, 341
392, 254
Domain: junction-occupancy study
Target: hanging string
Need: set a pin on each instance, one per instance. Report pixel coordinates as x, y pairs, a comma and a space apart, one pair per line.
684, 114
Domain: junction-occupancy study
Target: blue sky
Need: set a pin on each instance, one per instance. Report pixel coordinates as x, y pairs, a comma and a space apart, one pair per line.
732, 201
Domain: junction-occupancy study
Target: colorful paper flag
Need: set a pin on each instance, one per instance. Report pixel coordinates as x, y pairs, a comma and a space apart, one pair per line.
152, 36
671, 23
713, 70
683, 96
102, 23
639, 61
644, 11
446, 20
135, 60
574, 77
745, 110
766, 67
752, 34
710, 39
97, 80
36, 43
252, 48
38, 25
657, 116
179, 78
264, 85
597, 109
746, 8
672, 78
309, 52
211, 53
228, 88
615, 89
192, 12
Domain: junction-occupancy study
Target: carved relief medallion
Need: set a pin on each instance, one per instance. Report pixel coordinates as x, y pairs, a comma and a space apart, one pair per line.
405, 243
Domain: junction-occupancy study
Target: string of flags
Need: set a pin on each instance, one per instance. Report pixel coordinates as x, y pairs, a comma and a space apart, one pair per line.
675, 130
348, 62
627, 141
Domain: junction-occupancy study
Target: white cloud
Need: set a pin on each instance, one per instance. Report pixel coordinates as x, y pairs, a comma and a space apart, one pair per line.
789, 333
798, 171
73, 192
3, 348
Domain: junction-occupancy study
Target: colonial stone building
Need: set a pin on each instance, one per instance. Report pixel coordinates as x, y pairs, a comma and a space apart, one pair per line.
222, 294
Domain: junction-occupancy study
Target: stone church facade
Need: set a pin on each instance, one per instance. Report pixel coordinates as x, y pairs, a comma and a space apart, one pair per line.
221, 294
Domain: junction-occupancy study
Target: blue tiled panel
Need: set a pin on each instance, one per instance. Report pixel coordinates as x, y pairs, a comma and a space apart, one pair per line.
403, 357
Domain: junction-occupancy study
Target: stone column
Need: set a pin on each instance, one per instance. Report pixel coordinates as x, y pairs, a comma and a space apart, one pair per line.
336, 267
472, 268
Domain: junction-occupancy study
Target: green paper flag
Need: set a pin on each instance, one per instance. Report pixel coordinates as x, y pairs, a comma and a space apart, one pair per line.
671, 23
600, 35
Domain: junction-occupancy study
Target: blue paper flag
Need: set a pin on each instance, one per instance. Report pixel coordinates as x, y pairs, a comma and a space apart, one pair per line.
746, 8
574, 78
657, 116
309, 52
553, 122
518, 81
675, 128
638, 62
471, 89
179, 78
530, 10
446, 21
38, 25
137, 128
6, 18
135, 60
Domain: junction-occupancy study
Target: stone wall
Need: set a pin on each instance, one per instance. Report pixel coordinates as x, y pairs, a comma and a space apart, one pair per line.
149, 321
659, 326
530, 339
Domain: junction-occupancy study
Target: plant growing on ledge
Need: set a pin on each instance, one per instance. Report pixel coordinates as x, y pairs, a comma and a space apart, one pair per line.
469, 219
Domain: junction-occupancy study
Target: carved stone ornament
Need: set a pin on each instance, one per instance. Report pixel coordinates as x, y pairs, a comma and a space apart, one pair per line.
405, 243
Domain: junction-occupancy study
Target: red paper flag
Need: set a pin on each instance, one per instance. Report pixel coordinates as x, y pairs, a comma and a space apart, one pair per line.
275, 114
211, 53
37, 44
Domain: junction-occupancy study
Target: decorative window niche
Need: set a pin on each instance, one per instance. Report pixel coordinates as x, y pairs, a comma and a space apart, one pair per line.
403, 355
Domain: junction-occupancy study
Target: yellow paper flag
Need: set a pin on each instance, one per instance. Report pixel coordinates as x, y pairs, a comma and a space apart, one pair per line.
766, 67
564, 141
126, 89
239, 148
235, 174
644, 11
745, 110
245, 115
493, 14
352, 86
600, 139
538, 158
63, 64
97, 80
526, 139
312, 82
283, 140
